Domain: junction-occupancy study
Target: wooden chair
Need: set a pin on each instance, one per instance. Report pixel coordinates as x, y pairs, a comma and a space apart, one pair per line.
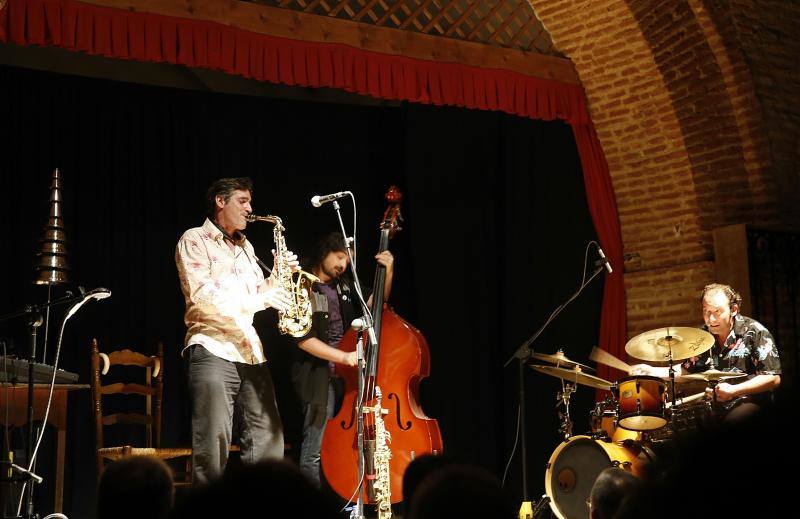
150, 393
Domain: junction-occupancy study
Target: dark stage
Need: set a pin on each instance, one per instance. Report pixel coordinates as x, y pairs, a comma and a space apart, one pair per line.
496, 225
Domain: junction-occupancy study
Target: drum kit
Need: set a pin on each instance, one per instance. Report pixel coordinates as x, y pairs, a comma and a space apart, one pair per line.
642, 411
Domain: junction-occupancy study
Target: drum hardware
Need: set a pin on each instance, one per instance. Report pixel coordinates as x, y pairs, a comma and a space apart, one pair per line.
563, 397
570, 378
574, 375
561, 360
538, 509
692, 413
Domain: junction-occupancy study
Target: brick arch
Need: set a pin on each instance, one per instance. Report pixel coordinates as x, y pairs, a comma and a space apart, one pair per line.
696, 87
675, 109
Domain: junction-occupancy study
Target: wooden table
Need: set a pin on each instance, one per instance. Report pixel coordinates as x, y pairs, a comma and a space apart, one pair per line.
18, 416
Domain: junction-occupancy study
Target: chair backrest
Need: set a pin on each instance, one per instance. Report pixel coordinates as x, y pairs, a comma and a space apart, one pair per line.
150, 385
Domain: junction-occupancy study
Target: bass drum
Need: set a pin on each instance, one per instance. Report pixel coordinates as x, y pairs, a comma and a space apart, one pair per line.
575, 465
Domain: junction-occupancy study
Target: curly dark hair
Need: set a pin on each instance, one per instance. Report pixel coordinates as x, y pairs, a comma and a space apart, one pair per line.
733, 296
225, 187
331, 242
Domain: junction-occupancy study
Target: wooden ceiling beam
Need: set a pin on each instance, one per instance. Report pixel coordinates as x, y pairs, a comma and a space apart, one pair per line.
284, 23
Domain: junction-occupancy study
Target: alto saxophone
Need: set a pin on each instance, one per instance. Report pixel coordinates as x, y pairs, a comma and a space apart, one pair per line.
296, 321
382, 484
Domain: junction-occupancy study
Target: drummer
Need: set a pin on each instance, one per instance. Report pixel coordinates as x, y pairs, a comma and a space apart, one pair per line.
742, 345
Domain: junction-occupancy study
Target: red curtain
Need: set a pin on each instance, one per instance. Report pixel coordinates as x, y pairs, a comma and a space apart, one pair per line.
117, 33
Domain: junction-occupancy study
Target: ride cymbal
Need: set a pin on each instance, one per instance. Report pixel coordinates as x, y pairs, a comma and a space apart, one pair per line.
683, 342
575, 375
561, 360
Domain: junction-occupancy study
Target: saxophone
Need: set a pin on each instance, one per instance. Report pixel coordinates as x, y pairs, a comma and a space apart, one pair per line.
297, 320
382, 484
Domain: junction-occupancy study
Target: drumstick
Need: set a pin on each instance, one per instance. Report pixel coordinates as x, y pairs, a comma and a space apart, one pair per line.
603, 357
686, 400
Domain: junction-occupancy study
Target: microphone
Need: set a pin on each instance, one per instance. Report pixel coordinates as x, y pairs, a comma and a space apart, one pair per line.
359, 324
606, 264
318, 200
97, 293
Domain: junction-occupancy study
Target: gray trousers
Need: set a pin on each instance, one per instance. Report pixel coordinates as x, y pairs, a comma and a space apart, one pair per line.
221, 392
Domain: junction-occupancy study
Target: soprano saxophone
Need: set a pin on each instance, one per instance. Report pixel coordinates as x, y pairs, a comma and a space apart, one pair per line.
383, 483
296, 321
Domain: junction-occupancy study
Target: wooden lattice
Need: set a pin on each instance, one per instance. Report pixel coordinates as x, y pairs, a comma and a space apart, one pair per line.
504, 23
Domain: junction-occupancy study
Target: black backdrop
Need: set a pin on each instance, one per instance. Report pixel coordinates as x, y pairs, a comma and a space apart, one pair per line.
496, 225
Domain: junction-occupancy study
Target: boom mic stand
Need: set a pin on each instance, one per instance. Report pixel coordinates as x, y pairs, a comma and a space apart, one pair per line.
34, 320
523, 354
365, 364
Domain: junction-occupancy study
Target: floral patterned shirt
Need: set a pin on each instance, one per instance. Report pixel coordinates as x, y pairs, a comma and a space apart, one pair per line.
749, 348
220, 287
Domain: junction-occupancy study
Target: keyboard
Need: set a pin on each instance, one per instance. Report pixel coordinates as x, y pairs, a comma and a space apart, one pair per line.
15, 370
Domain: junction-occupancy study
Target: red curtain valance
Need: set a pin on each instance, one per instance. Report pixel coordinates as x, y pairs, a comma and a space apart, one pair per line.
117, 33
124, 34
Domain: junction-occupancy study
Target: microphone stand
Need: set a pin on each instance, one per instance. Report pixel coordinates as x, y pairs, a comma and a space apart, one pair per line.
34, 320
364, 365
523, 354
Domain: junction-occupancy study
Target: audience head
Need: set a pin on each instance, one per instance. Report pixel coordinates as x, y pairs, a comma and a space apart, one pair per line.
460, 491
419, 468
135, 487
610, 489
273, 488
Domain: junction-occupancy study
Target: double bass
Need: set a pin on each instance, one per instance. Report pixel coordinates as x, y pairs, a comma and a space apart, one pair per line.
397, 366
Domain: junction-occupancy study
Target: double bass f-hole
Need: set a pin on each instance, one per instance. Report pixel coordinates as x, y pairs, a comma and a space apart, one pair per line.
397, 415
346, 426
393, 397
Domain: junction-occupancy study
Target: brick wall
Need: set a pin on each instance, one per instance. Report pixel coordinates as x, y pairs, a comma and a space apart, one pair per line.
694, 135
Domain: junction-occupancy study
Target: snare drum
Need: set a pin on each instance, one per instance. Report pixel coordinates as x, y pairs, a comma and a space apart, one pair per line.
575, 465
641, 403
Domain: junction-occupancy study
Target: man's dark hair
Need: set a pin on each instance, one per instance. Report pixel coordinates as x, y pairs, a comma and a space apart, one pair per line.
225, 187
610, 489
734, 298
331, 242
420, 468
139, 486
460, 491
269, 488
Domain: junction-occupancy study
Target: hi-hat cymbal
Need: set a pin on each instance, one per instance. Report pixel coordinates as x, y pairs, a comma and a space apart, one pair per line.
712, 374
655, 345
559, 359
575, 375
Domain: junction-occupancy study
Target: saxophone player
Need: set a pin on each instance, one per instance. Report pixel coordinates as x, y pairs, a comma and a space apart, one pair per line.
224, 287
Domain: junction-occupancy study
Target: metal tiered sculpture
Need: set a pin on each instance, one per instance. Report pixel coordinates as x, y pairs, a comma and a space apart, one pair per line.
51, 260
